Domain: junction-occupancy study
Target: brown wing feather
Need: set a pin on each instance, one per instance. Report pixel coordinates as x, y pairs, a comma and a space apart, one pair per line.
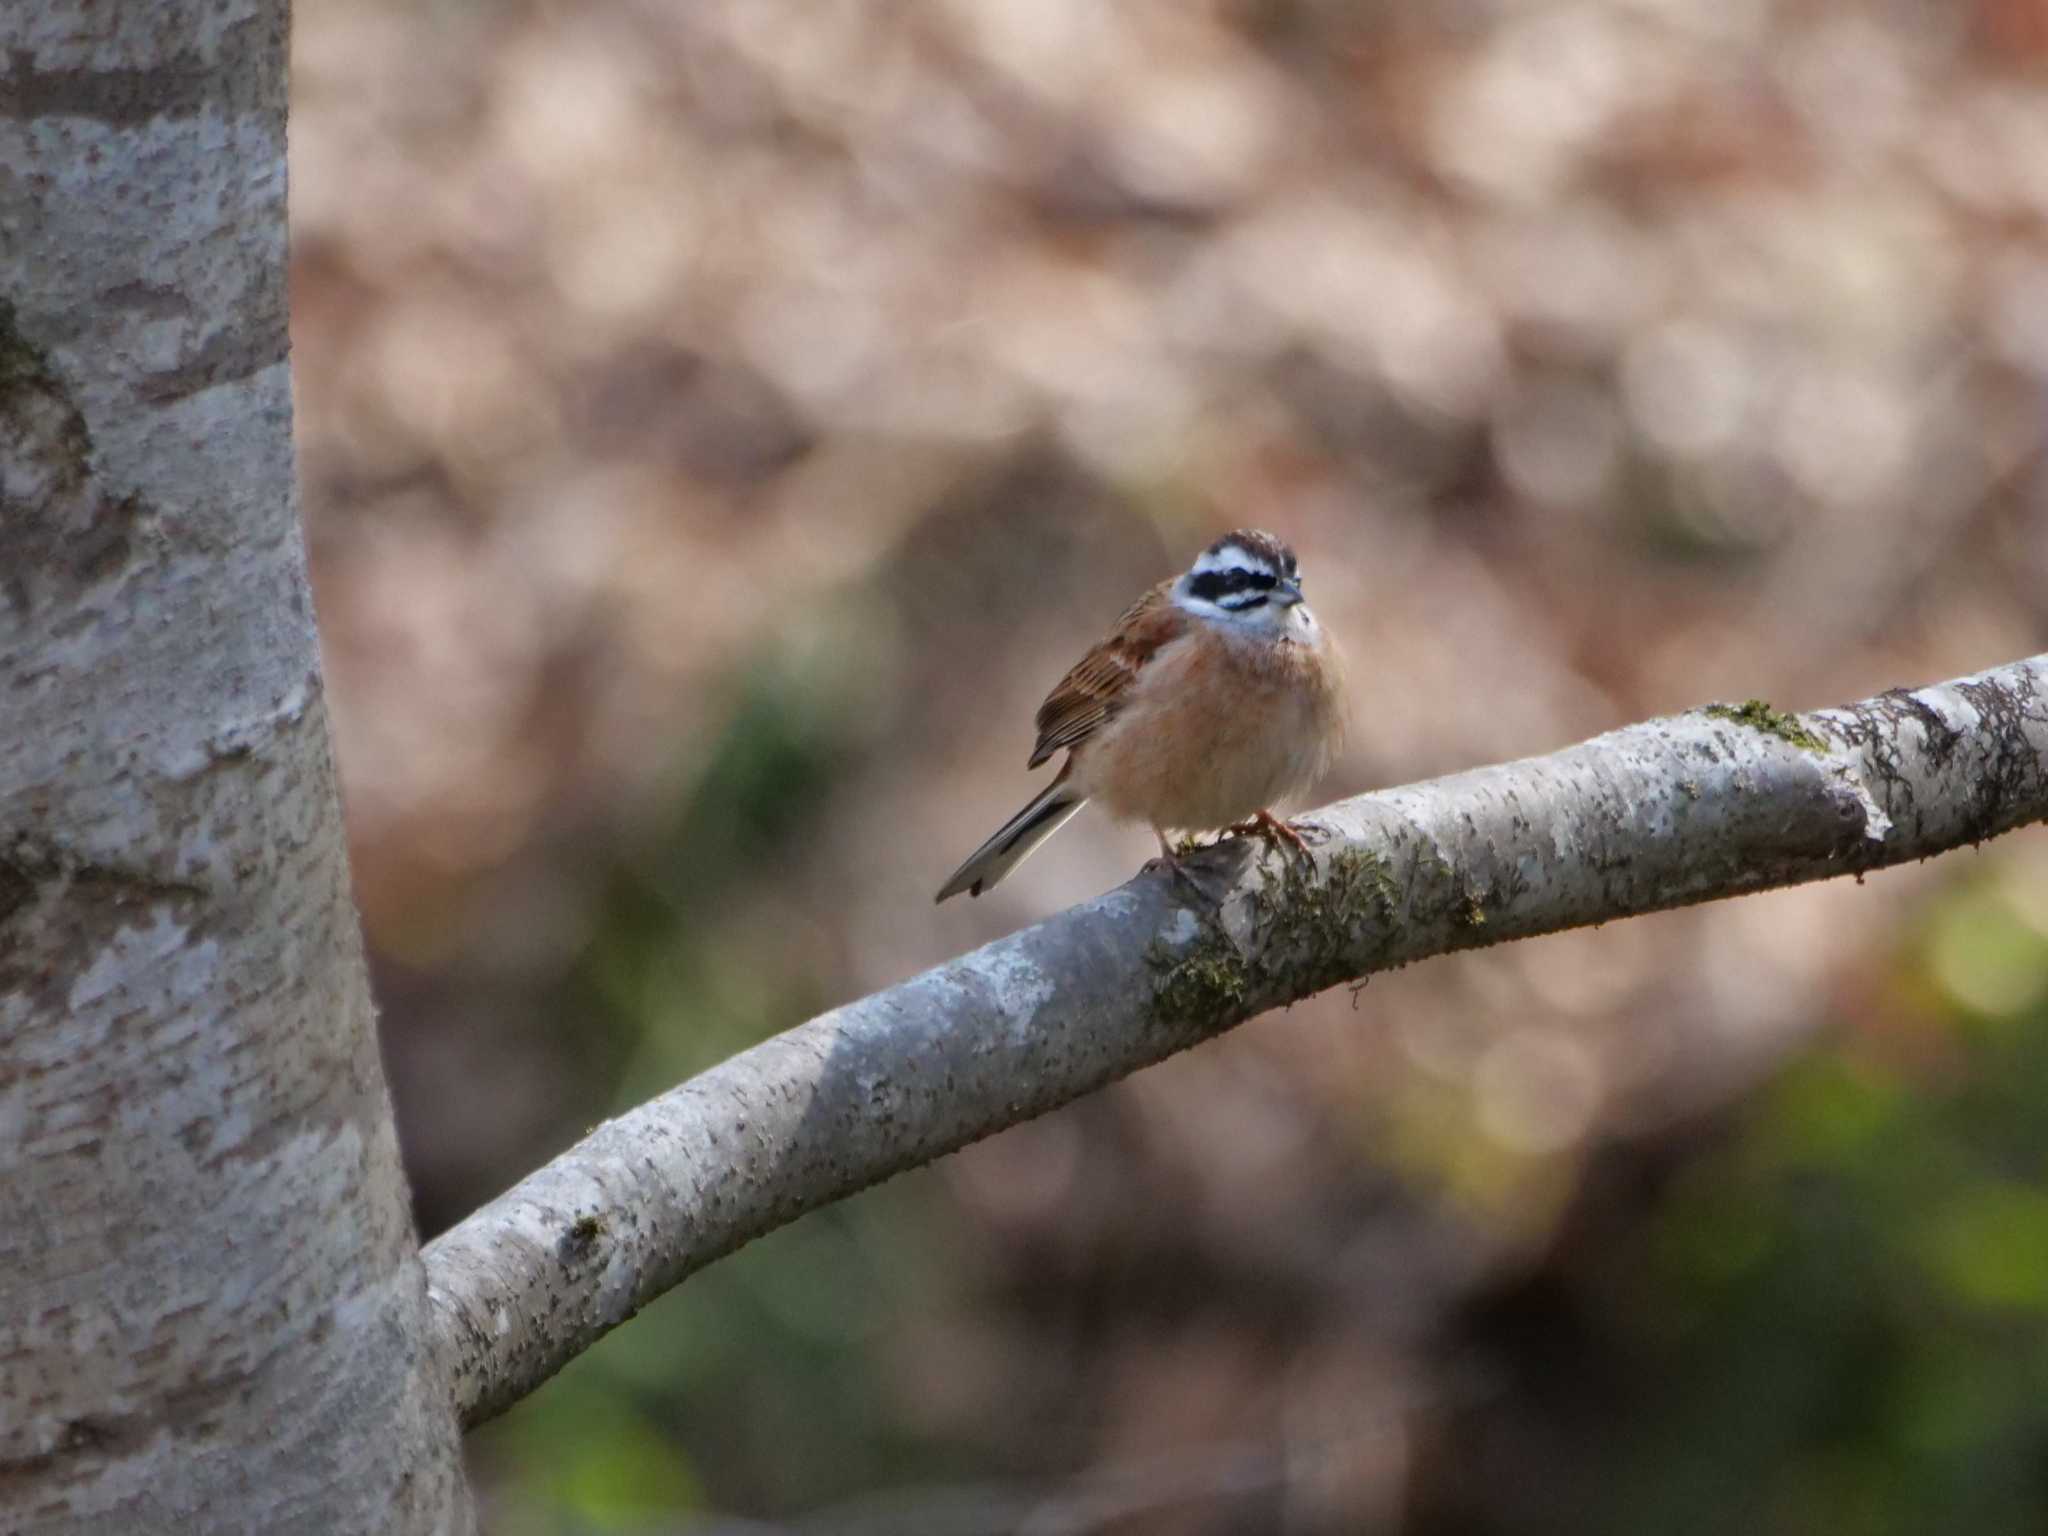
1094, 689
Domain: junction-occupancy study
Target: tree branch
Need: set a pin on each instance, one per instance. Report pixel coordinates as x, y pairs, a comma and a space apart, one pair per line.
1705, 805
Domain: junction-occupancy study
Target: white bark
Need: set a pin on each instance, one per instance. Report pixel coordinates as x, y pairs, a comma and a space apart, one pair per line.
1706, 805
212, 1313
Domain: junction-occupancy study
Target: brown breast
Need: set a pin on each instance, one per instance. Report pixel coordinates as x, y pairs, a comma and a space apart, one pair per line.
1216, 728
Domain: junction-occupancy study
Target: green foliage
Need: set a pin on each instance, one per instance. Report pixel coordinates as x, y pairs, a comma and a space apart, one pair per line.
1847, 1306
683, 970
760, 1384
593, 1460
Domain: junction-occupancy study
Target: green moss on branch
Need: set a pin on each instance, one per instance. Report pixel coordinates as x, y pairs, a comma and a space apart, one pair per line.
1759, 715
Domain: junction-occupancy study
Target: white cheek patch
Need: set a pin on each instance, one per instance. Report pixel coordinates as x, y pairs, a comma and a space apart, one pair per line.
1189, 603
1263, 617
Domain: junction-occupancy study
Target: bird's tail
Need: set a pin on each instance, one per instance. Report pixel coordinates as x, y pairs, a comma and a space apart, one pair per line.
1015, 838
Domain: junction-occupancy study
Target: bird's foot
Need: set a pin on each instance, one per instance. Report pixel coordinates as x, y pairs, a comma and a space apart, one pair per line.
1265, 824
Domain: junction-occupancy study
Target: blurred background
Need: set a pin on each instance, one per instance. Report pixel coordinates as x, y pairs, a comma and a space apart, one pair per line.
722, 420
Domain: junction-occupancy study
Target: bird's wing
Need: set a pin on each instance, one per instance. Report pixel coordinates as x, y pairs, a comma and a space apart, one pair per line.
1095, 688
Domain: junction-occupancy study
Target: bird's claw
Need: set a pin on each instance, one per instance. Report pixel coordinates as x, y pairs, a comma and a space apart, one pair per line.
1265, 824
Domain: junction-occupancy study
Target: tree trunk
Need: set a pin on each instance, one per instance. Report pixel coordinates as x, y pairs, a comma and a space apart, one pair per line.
212, 1313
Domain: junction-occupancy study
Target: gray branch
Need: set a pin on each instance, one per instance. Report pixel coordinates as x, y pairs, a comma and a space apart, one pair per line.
1705, 805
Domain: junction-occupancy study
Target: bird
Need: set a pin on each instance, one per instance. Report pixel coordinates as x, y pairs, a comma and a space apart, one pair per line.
1216, 696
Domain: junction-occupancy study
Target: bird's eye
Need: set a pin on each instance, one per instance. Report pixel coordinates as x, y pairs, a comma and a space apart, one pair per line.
1265, 581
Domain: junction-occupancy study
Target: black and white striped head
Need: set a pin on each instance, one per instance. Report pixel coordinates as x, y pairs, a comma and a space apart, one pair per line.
1246, 579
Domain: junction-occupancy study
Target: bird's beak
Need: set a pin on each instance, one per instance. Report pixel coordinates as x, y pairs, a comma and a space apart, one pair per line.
1287, 594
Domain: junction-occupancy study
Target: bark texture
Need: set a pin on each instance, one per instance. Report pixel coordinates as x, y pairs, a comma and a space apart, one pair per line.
1710, 804
212, 1313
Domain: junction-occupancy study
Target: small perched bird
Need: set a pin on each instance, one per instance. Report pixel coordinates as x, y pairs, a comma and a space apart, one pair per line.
1216, 695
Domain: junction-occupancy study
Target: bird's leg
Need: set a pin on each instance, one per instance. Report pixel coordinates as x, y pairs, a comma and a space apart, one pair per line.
1265, 824
1180, 871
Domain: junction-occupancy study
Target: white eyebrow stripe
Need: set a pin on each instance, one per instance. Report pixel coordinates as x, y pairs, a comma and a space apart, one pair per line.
1231, 557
